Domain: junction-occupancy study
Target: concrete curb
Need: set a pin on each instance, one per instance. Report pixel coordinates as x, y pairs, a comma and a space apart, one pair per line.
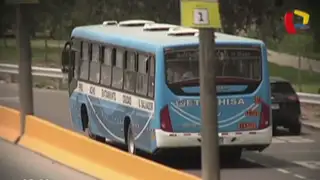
312, 125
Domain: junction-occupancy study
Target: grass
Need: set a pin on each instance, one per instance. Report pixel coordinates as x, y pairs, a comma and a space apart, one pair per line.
294, 44
9, 52
310, 80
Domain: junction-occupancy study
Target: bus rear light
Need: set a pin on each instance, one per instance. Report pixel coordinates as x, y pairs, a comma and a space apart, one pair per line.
165, 120
264, 116
257, 100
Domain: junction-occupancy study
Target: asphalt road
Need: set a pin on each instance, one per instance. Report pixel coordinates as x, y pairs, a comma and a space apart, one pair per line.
288, 158
17, 163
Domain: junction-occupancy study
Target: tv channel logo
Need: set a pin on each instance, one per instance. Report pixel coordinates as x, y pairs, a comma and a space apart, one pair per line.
289, 24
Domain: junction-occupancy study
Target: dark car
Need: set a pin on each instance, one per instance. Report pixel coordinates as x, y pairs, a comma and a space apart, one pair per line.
285, 106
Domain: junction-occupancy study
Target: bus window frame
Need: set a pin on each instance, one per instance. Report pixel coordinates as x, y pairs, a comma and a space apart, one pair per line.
114, 65
77, 60
102, 61
98, 61
86, 61
134, 70
251, 87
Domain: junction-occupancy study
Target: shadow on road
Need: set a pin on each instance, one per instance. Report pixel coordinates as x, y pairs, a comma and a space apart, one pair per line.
192, 161
189, 160
284, 132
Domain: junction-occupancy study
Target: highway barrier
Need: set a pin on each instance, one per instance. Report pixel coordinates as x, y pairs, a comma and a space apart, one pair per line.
9, 124
93, 158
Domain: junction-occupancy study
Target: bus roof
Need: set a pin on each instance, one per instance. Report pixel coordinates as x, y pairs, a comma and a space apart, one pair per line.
136, 37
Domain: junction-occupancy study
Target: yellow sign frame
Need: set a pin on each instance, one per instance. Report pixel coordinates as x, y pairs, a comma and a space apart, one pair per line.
210, 9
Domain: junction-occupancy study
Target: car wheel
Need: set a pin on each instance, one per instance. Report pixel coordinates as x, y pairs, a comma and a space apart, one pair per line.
295, 129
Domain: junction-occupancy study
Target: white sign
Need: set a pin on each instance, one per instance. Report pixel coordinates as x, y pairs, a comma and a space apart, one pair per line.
115, 96
200, 16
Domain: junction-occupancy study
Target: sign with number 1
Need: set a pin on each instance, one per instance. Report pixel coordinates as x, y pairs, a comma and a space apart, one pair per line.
200, 14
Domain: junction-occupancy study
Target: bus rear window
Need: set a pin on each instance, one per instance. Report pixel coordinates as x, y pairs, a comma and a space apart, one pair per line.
183, 64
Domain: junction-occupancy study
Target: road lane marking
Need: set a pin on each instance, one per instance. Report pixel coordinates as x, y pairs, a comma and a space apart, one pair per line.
309, 164
250, 160
298, 151
280, 170
283, 171
299, 176
291, 139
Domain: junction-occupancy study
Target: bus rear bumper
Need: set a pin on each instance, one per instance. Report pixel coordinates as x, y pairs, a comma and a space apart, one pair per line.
259, 138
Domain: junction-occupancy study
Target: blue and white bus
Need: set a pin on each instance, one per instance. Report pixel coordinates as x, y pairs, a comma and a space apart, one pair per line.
136, 82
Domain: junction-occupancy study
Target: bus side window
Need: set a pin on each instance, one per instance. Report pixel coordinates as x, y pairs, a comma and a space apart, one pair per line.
142, 75
130, 73
95, 63
106, 67
151, 80
117, 69
84, 63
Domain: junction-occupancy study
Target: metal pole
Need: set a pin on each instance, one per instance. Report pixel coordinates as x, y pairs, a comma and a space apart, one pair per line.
299, 73
208, 100
25, 76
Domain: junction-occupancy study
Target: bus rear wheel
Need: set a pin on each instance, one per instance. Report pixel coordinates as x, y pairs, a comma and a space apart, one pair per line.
131, 148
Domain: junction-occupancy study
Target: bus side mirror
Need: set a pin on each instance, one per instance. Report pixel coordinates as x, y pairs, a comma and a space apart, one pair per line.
67, 58
65, 61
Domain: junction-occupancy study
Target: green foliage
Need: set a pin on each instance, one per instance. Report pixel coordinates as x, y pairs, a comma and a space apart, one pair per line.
256, 18
9, 54
310, 84
295, 44
58, 17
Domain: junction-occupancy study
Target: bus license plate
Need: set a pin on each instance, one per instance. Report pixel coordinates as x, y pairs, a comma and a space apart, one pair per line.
275, 106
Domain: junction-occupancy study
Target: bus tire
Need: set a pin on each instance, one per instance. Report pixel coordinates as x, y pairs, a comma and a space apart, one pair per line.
84, 117
85, 125
131, 148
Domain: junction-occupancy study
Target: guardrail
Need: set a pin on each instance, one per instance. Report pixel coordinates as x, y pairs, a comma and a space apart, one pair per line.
56, 73
309, 98
36, 71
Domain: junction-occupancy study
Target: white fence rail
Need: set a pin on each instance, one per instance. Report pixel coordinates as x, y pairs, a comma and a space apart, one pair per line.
36, 71
56, 73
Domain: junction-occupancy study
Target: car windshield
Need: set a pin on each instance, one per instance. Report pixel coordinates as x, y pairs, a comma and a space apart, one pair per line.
282, 87
183, 64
